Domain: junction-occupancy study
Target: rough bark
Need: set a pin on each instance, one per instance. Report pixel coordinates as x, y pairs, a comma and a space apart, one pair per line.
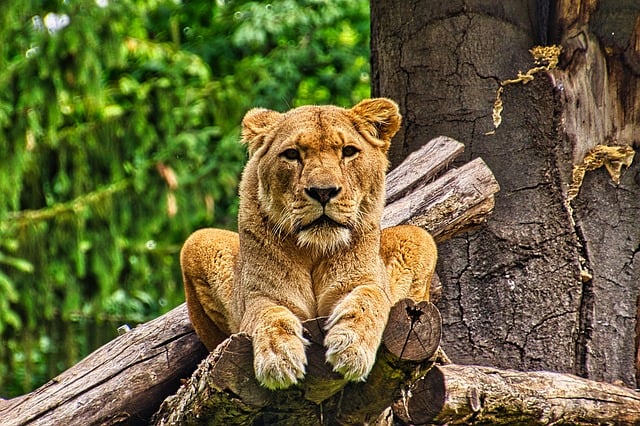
548, 283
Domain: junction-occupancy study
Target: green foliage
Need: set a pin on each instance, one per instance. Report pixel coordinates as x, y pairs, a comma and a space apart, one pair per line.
118, 137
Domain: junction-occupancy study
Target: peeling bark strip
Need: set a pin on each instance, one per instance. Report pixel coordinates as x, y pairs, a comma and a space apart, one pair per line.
462, 395
598, 86
637, 340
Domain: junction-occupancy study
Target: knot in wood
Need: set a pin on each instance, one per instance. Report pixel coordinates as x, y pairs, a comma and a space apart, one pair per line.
414, 314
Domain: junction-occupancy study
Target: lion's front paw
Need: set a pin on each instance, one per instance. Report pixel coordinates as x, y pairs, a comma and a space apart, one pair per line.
350, 353
279, 361
351, 348
355, 330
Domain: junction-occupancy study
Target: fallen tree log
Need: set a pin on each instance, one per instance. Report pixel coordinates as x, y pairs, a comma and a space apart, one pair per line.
123, 382
463, 395
126, 380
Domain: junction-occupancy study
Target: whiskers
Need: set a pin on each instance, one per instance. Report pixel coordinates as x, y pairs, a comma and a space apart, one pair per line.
358, 223
285, 224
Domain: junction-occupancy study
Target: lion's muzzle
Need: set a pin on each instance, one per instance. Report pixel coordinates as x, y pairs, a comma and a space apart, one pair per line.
323, 220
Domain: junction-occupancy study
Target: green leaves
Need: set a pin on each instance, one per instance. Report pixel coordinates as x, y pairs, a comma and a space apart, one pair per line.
119, 130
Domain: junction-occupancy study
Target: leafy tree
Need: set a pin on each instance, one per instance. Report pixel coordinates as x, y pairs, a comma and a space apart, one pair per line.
118, 137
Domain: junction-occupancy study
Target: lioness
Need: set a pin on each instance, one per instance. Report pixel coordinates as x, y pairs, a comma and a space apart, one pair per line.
309, 243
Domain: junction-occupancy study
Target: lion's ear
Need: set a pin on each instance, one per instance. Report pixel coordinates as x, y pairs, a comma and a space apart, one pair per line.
381, 117
255, 123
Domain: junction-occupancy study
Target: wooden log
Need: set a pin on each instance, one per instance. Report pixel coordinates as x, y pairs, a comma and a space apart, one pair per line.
458, 201
445, 205
123, 382
422, 167
224, 390
466, 395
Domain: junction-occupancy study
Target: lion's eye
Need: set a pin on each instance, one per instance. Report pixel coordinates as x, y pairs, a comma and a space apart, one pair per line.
349, 151
291, 154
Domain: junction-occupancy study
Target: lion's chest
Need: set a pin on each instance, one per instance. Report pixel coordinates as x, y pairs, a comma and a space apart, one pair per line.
307, 293
327, 286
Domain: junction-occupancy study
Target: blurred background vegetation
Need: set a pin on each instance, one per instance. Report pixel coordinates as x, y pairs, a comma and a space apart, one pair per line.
119, 136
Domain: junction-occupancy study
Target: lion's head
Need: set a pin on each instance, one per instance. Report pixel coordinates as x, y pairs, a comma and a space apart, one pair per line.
316, 173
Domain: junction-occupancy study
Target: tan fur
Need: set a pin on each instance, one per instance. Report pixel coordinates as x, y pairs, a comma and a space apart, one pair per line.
287, 265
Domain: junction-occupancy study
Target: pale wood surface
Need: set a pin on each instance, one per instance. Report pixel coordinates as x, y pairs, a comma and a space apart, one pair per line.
422, 166
458, 201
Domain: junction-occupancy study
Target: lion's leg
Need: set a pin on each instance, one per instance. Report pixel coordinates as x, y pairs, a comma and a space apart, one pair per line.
410, 256
207, 261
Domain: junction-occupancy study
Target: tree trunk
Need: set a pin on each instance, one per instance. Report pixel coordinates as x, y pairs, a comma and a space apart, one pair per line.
551, 283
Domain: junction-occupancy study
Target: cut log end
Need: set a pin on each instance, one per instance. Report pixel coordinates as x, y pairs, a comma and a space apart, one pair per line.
413, 331
427, 399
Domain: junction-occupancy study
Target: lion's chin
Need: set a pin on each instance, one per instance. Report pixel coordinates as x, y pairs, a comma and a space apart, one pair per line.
325, 236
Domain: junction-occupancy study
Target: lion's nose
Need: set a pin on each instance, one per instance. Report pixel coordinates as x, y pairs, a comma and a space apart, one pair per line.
323, 195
